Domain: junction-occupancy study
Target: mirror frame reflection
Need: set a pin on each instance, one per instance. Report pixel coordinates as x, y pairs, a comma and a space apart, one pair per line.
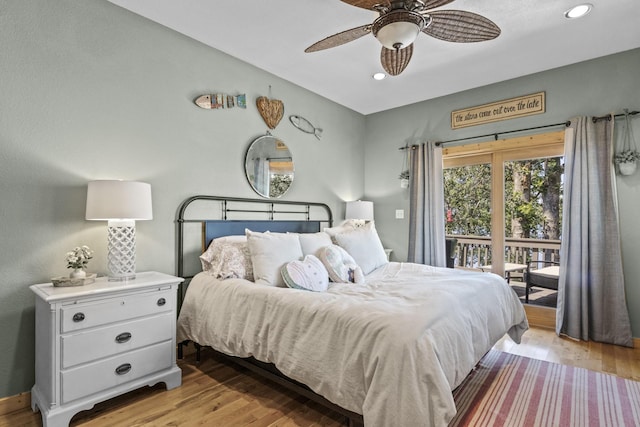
269, 167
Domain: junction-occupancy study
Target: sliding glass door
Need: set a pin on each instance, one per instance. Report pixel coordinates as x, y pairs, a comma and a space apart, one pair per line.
533, 217
503, 202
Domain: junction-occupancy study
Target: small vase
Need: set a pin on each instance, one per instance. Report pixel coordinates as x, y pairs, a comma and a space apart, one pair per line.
78, 273
404, 183
627, 168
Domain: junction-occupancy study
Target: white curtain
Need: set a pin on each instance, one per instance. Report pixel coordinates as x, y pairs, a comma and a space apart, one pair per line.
426, 204
591, 295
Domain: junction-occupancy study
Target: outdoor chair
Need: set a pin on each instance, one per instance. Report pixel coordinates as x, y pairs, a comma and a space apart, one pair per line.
544, 275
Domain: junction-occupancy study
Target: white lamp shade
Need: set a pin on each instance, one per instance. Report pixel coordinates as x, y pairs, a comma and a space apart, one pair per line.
359, 209
398, 34
119, 200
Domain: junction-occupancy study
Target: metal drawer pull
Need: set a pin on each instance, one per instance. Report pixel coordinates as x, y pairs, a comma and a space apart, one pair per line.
123, 337
78, 317
162, 301
123, 369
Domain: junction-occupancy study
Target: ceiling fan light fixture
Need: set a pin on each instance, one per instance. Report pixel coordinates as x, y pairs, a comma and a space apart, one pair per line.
398, 35
398, 29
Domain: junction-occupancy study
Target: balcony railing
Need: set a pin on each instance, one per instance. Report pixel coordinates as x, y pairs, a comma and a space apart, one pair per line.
475, 251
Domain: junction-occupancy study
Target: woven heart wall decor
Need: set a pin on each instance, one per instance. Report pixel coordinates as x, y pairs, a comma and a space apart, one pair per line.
271, 110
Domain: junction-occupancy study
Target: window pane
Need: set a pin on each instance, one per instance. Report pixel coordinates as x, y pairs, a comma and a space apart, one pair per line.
533, 190
467, 195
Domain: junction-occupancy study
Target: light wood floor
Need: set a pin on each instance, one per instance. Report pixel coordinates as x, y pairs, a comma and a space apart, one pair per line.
216, 394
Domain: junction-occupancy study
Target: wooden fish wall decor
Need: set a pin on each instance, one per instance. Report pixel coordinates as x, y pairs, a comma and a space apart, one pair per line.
220, 100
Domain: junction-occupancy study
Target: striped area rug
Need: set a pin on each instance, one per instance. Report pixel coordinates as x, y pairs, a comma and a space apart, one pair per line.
510, 390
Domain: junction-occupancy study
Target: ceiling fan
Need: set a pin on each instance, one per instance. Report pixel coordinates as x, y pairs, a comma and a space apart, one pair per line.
400, 22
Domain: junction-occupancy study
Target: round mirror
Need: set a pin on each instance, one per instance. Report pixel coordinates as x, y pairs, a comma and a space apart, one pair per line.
269, 166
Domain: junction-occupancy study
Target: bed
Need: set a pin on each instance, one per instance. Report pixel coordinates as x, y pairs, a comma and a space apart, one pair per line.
387, 351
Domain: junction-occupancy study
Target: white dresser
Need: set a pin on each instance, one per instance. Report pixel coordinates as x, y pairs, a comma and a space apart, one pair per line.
98, 341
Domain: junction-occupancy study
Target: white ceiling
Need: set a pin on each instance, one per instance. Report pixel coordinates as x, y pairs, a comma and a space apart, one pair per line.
272, 35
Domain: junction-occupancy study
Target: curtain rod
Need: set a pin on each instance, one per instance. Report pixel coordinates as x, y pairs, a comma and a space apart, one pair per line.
495, 134
617, 116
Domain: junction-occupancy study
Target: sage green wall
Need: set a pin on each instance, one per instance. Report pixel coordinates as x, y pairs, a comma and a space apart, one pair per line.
590, 88
91, 91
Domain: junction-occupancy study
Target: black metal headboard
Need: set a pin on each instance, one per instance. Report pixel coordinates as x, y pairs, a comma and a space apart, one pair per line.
224, 216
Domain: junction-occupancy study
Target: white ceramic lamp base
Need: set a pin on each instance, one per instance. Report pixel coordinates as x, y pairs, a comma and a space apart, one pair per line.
121, 258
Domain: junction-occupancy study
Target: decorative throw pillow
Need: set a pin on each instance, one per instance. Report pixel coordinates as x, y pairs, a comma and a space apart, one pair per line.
309, 275
269, 252
341, 267
346, 226
228, 257
312, 242
364, 245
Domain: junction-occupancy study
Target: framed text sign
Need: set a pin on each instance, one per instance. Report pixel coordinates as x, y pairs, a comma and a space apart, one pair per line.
526, 105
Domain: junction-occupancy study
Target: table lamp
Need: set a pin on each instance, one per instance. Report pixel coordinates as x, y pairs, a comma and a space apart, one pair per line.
120, 203
360, 210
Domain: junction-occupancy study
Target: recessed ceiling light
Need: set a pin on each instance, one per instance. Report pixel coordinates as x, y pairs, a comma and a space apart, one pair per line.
379, 76
578, 11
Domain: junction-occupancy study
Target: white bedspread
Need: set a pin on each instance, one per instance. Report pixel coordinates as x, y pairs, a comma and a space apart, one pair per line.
392, 349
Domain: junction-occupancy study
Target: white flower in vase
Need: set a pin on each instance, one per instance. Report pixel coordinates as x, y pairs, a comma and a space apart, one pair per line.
77, 259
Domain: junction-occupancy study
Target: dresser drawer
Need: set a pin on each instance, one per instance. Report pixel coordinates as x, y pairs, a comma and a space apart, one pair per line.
88, 345
88, 379
125, 307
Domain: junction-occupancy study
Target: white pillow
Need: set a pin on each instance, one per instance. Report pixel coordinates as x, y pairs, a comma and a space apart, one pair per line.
312, 242
269, 252
341, 267
364, 245
346, 226
309, 275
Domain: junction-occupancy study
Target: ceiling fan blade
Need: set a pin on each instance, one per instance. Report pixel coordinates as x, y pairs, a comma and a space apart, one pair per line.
460, 26
395, 61
432, 4
369, 4
340, 38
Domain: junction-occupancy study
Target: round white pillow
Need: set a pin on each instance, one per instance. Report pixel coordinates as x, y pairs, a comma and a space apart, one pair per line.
341, 266
309, 275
